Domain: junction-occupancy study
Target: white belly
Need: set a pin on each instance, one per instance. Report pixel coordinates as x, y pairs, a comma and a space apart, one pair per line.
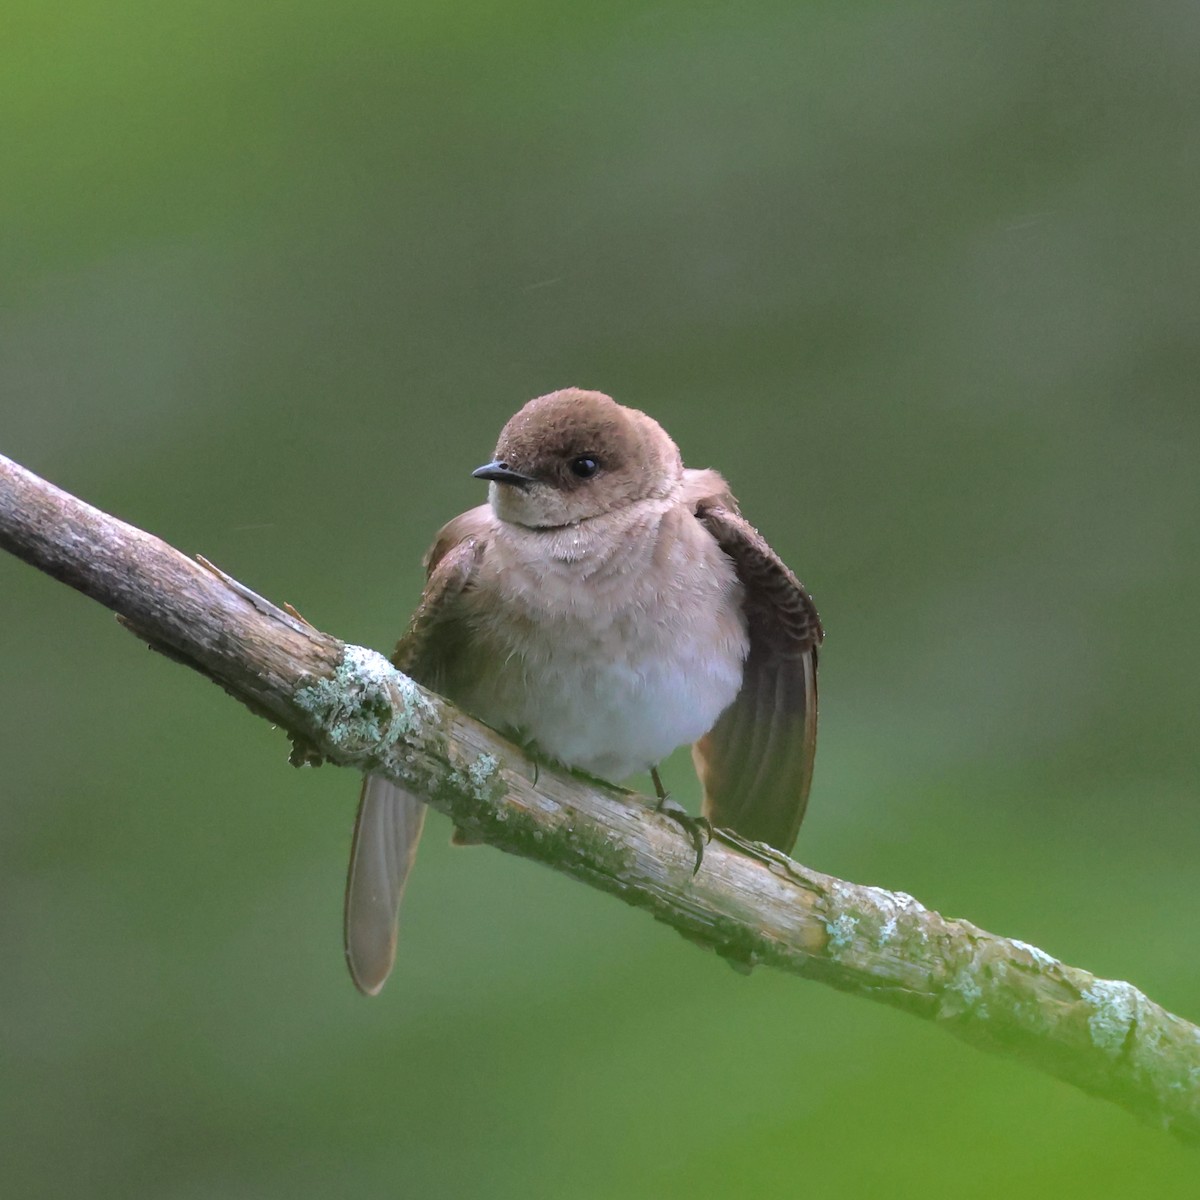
617, 717
608, 664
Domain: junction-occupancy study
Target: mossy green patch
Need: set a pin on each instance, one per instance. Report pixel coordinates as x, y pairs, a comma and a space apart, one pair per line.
366, 706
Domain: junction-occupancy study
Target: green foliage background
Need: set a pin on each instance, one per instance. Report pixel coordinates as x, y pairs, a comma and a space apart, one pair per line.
920, 278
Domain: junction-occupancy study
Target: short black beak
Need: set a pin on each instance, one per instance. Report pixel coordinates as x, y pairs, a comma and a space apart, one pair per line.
501, 472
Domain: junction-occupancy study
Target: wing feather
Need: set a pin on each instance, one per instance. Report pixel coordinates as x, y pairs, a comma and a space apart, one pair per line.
755, 764
387, 829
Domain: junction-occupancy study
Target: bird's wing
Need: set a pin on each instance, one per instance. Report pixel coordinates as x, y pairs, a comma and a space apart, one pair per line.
388, 826
756, 762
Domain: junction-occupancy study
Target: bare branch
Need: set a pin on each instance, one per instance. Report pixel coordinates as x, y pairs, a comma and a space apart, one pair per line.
750, 904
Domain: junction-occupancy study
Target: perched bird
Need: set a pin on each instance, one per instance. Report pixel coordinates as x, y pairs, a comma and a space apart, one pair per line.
604, 607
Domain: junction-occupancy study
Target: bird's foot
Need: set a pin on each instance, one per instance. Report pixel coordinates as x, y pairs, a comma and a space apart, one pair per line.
699, 829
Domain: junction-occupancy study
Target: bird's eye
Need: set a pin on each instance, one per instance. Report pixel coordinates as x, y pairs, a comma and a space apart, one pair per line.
585, 466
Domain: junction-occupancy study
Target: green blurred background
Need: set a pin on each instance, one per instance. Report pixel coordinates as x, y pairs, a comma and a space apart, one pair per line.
920, 279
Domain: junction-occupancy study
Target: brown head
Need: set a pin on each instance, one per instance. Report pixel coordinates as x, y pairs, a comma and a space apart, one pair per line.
575, 454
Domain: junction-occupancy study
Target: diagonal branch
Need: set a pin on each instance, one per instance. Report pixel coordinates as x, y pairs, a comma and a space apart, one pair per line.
750, 904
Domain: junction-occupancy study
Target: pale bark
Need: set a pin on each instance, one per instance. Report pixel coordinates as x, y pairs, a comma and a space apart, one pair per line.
753, 906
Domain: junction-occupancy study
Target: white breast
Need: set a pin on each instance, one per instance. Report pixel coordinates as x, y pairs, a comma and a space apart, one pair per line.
607, 653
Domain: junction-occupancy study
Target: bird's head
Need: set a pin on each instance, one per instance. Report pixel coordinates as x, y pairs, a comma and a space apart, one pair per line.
573, 455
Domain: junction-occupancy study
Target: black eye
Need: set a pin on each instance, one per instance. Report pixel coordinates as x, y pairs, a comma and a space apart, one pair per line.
584, 466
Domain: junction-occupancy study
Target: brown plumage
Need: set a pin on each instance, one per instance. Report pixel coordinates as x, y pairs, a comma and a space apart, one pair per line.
605, 606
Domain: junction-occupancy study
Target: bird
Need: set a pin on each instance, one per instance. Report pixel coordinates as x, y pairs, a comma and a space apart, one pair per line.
604, 607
